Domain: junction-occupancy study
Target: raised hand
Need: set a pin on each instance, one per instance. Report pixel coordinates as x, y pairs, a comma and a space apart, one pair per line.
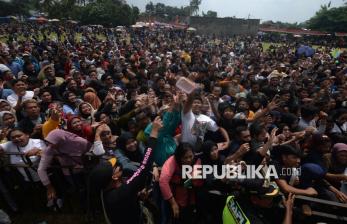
157, 124
273, 134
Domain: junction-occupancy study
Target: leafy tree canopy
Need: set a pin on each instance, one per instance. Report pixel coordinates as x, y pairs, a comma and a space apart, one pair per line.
329, 19
104, 12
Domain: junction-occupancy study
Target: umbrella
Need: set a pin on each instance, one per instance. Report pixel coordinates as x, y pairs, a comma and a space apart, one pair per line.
305, 50
33, 18
72, 21
12, 17
336, 53
191, 29
54, 20
41, 20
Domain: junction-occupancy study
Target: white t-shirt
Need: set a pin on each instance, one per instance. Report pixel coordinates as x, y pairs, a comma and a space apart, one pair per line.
194, 126
18, 160
13, 98
336, 129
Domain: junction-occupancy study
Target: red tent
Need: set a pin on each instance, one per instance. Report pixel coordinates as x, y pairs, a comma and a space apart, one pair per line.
41, 19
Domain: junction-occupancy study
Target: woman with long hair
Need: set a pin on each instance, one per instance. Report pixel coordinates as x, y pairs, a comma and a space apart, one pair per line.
8, 121
70, 103
179, 192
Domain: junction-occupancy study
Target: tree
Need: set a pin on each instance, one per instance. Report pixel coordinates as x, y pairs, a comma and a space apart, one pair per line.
135, 13
194, 7
62, 9
107, 13
164, 12
160, 9
104, 12
47, 5
329, 19
210, 13
15, 7
150, 8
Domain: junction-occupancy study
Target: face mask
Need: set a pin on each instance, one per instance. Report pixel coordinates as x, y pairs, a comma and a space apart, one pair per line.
120, 98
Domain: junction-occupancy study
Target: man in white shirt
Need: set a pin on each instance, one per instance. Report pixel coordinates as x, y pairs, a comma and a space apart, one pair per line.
31, 149
20, 93
195, 125
340, 122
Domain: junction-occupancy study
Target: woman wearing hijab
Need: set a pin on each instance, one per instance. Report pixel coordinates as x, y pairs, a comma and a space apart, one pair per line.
76, 126
129, 152
68, 149
6, 106
120, 198
91, 98
86, 113
109, 141
8, 121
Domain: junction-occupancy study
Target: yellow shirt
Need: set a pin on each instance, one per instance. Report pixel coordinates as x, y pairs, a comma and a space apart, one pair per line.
49, 126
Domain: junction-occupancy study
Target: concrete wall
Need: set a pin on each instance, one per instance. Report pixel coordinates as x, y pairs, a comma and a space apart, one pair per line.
224, 26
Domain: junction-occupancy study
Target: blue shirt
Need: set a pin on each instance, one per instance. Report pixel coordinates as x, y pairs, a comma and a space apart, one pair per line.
4, 93
15, 68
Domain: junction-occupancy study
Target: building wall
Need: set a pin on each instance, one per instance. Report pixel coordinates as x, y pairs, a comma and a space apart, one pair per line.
225, 26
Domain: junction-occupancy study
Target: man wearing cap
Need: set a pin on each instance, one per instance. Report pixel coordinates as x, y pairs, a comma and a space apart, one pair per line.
274, 84
30, 60
4, 93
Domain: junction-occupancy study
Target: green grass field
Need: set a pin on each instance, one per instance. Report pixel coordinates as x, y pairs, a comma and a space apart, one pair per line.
78, 38
52, 36
266, 46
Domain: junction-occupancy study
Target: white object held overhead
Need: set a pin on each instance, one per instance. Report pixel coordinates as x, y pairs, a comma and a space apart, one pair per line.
186, 85
191, 29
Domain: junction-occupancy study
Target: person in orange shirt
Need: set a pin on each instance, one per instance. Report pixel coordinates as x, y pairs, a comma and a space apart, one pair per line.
243, 111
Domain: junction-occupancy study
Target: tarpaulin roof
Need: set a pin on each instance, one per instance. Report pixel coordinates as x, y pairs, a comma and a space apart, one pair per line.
341, 34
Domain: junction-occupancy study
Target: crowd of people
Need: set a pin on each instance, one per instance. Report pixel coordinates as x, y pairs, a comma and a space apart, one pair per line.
105, 115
